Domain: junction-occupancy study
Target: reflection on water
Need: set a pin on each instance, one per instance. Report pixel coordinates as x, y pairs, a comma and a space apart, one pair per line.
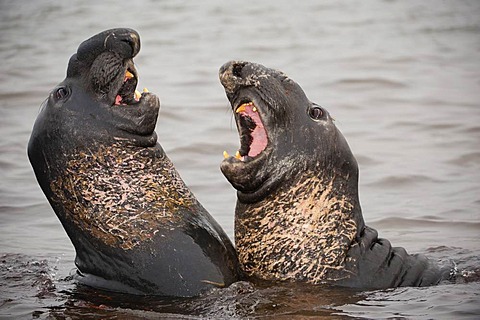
401, 79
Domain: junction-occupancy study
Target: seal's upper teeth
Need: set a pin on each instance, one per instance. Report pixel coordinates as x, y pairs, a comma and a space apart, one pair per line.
243, 107
240, 109
128, 75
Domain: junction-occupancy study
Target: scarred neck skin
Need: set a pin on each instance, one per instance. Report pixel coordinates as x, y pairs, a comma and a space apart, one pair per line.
137, 193
300, 232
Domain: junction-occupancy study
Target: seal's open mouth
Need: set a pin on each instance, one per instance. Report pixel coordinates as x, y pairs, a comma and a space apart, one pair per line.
253, 136
128, 94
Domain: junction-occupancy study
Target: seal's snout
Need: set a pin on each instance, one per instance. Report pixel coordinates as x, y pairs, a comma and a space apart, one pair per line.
232, 68
131, 38
126, 41
123, 41
237, 68
231, 75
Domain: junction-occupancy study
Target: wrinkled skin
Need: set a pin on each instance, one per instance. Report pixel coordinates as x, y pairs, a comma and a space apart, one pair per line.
135, 226
298, 215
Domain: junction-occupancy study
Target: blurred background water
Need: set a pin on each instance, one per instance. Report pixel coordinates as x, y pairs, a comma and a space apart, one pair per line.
401, 78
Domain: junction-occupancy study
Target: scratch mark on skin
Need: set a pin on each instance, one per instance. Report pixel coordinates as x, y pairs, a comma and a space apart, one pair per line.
106, 39
303, 233
121, 195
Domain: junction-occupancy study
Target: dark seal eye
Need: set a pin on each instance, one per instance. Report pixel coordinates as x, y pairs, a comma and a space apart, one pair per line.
315, 112
61, 93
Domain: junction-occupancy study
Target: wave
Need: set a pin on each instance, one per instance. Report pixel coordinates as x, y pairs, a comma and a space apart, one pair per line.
422, 222
374, 82
404, 181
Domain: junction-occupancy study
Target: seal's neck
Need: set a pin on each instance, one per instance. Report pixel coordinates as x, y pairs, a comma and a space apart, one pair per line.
300, 232
121, 195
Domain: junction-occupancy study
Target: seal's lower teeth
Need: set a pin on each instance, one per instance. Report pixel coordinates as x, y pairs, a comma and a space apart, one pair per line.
137, 95
237, 155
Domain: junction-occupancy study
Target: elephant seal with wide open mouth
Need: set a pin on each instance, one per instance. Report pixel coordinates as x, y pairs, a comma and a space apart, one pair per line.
135, 226
298, 215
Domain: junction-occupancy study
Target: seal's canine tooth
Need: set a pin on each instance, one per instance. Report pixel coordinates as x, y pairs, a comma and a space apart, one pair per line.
137, 94
128, 75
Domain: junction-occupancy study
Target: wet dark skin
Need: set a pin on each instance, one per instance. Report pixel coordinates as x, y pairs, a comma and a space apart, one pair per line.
298, 216
135, 226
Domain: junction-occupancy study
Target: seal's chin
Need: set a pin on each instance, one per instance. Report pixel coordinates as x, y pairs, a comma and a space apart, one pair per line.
128, 93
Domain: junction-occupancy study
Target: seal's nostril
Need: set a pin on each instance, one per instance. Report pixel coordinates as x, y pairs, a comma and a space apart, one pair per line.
134, 42
129, 42
237, 69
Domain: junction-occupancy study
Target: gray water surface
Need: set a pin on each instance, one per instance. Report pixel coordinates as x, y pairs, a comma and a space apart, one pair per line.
401, 78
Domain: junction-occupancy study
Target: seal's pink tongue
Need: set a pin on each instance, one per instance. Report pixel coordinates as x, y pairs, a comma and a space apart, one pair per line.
119, 100
259, 135
137, 95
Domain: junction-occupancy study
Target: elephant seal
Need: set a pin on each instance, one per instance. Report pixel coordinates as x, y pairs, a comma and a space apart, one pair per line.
135, 226
298, 215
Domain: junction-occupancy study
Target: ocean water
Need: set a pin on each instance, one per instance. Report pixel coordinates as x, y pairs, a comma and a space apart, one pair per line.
401, 78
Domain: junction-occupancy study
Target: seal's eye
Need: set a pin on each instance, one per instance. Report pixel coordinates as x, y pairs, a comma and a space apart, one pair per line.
61, 93
316, 113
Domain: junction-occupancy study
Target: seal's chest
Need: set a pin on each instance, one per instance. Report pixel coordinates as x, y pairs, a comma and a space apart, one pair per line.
300, 235
120, 196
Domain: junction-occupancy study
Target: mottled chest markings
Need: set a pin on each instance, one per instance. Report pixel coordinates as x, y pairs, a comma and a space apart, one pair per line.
301, 234
123, 197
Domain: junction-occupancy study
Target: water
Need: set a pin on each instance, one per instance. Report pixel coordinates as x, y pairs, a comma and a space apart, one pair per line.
402, 79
